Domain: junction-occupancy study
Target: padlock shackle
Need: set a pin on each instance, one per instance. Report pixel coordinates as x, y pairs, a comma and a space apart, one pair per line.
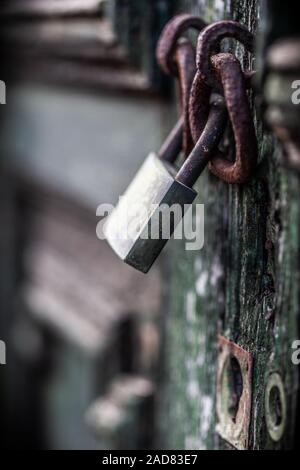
206, 145
172, 146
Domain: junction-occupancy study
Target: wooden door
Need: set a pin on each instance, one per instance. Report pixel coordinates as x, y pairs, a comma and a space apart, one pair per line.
243, 285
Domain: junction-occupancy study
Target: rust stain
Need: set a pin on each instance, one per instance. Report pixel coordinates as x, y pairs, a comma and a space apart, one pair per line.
234, 427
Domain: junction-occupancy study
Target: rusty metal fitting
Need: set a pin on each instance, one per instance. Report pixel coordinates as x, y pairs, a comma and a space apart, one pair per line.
176, 56
223, 72
175, 29
209, 42
234, 393
186, 64
227, 71
199, 106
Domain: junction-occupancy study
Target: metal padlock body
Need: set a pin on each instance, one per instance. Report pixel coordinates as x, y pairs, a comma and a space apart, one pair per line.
155, 187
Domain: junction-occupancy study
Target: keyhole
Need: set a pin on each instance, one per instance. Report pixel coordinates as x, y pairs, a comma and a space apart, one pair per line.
275, 406
235, 385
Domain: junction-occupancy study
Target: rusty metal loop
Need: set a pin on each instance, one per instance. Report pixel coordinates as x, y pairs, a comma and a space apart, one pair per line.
174, 29
227, 70
186, 63
209, 41
199, 106
176, 56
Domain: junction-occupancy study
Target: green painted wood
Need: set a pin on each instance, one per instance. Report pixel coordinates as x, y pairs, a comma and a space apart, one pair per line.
243, 284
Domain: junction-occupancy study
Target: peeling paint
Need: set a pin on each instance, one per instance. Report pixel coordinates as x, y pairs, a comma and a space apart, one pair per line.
190, 306
216, 272
207, 409
201, 284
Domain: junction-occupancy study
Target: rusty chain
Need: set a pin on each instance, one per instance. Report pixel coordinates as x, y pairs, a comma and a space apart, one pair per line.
215, 75
209, 44
227, 71
222, 72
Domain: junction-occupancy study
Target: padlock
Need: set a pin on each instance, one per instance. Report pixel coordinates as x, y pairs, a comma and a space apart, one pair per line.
158, 187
